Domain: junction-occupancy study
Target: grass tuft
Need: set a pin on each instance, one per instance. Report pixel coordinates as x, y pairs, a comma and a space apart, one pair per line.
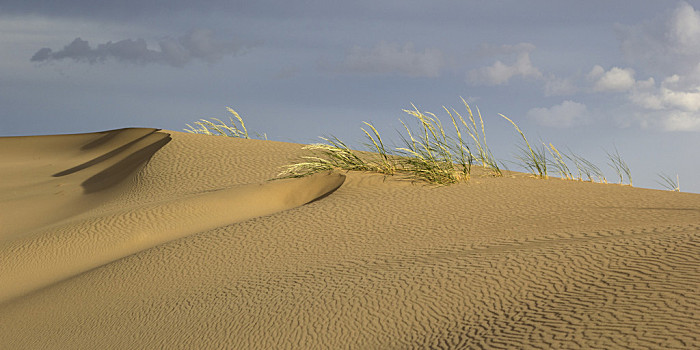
429, 152
385, 163
559, 163
535, 160
620, 166
330, 156
668, 182
220, 128
483, 154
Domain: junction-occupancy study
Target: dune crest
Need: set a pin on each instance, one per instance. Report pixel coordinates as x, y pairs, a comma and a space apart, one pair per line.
34, 258
59, 176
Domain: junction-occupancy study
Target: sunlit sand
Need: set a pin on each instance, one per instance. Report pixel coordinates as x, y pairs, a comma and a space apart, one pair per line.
146, 238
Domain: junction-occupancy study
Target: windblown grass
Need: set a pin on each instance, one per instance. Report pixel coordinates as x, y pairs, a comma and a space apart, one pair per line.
220, 128
559, 163
483, 154
587, 168
533, 159
668, 182
330, 156
429, 152
620, 166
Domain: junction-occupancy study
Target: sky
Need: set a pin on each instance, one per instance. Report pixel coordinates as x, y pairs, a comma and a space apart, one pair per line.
590, 76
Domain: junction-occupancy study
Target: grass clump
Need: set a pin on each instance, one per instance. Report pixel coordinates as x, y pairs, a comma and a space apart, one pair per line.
429, 152
220, 128
620, 166
668, 182
533, 159
483, 154
559, 163
333, 155
587, 168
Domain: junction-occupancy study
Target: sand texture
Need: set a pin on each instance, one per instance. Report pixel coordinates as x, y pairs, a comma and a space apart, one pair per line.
143, 238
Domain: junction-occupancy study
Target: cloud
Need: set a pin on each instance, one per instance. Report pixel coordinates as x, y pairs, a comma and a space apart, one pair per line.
555, 86
564, 115
390, 58
667, 96
500, 73
667, 44
198, 44
616, 79
673, 105
681, 121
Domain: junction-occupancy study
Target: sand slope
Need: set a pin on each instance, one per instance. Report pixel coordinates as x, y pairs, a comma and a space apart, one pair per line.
181, 243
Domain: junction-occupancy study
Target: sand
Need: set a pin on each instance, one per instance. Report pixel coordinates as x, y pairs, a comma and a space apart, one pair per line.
143, 238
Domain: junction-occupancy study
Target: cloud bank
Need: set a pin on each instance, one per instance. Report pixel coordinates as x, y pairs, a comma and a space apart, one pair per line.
197, 45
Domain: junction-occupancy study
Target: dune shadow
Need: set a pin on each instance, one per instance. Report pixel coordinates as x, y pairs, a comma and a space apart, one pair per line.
121, 169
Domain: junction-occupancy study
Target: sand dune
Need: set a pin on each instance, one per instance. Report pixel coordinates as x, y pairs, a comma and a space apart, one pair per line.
145, 238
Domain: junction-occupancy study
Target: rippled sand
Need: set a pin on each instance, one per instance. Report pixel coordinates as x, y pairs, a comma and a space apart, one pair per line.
145, 238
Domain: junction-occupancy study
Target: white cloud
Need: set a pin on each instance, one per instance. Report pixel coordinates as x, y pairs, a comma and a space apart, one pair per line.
685, 100
388, 58
672, 105
500, 73
616, 79
564, 115
667, 44
681, 121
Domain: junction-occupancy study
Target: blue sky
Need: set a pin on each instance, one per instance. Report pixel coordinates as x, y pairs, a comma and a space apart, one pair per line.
587, 75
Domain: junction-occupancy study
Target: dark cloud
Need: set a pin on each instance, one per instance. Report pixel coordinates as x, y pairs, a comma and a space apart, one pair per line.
198, 44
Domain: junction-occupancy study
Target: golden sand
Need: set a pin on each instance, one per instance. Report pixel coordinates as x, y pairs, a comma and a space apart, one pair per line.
144, 238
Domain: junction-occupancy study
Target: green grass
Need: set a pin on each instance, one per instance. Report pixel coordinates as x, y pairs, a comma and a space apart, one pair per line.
431, 153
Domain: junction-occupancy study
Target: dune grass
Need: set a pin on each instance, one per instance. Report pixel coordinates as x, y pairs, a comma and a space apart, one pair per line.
220, 128
587, 168
559, 163
431, 153
668, 182
533, 159
620, 166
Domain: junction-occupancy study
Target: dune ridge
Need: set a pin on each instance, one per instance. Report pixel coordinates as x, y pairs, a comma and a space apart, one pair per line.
64, 250
511, 262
